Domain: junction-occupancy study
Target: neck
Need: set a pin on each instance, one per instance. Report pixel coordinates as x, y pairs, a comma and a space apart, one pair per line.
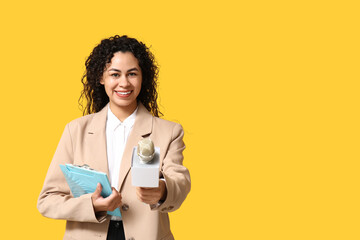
123, 112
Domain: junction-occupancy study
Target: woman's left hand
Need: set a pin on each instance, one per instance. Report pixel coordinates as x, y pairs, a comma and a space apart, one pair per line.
152, 195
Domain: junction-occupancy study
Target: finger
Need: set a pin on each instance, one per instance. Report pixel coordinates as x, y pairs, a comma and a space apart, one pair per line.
109, 205
140, 192
114, 200
139, 195
113, 206
149, 193
118, 196
117, 201
143, 191
116, 193
148, 200
148, 188
98, 190
145, 198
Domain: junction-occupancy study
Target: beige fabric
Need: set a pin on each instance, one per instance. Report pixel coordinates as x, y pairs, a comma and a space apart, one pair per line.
84, 142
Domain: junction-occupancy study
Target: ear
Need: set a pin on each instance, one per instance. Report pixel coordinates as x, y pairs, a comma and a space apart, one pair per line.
102, 81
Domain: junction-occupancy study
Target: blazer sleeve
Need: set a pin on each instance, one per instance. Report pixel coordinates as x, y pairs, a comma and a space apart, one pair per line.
55, 200
176, 175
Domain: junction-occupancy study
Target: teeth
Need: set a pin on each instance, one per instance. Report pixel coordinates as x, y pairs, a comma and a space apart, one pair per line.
124, 93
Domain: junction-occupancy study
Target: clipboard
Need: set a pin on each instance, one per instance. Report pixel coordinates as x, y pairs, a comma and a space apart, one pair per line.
83, 180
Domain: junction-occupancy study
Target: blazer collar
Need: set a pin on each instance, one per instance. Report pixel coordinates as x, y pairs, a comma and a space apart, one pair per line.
142, 125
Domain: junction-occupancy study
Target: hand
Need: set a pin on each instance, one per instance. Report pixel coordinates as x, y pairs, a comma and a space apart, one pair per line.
109, 203
152, 195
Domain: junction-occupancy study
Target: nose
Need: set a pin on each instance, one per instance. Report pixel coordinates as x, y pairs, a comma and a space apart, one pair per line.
123, 81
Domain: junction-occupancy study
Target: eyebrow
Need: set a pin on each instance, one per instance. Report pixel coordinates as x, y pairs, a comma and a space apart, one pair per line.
117, 70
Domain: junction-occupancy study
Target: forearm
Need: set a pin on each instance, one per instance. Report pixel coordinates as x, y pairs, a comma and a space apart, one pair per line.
175, 174
60, 206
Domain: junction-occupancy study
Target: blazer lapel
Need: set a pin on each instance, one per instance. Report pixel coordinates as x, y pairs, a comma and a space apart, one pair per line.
142, 127
96, 142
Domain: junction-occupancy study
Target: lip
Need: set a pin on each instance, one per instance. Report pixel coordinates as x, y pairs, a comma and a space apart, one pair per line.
118, 93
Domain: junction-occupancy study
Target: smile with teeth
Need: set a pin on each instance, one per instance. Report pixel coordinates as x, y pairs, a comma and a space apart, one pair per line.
123, 94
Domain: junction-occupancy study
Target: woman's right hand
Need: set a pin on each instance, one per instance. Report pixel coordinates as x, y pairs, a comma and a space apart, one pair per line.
109, 203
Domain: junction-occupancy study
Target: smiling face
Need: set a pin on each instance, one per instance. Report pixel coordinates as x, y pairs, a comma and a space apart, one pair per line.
122, 79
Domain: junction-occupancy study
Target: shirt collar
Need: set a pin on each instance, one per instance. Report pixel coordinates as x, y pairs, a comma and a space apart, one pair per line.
113, 122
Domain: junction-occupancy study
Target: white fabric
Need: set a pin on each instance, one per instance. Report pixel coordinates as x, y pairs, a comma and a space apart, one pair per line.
117, 133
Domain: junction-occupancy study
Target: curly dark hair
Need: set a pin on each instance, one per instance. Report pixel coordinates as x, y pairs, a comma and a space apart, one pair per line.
94, 92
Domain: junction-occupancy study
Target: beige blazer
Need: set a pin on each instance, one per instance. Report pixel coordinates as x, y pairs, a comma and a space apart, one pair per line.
84, 142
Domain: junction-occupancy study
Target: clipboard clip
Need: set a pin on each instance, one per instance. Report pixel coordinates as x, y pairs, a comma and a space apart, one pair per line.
85, 166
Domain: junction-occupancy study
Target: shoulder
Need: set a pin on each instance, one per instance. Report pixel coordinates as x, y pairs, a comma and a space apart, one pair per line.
82, 124
89, 123
159, 126
83, 120
165, 123
167, 127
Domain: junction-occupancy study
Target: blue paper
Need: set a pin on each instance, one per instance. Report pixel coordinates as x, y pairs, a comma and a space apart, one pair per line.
84, 180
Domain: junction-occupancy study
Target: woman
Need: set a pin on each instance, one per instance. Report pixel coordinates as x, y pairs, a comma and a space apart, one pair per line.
120, 89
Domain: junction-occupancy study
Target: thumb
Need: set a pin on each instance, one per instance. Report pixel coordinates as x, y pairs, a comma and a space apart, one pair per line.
98, 189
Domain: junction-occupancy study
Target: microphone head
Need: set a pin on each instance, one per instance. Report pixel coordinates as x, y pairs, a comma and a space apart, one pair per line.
146, 150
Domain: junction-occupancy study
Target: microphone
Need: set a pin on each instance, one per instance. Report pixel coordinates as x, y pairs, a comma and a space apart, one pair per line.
145, 165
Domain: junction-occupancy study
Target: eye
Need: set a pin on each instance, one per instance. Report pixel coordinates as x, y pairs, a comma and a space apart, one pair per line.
115, 75
132, 74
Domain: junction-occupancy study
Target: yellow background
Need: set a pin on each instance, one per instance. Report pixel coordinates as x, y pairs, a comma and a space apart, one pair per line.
267, 92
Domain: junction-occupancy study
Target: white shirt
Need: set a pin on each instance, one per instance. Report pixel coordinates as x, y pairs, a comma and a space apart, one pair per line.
117, 133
